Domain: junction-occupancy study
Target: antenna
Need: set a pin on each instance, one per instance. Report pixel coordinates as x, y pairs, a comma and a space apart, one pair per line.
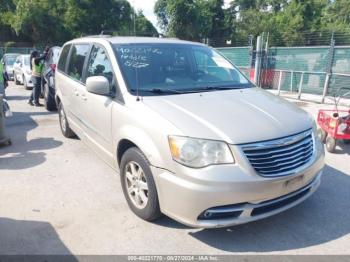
137, 76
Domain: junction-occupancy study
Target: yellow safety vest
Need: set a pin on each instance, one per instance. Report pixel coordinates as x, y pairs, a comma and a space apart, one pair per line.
37, 69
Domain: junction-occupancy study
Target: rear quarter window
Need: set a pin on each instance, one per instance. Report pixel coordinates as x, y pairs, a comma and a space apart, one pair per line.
63, 58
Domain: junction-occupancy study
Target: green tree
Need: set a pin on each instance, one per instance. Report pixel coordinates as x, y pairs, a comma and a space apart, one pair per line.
143, 26
211, 19
36, 20
336, 16
92, 16
160, 9
179, 18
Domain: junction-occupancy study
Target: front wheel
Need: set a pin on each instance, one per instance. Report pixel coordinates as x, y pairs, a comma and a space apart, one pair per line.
66, 131
138, 185
330, 144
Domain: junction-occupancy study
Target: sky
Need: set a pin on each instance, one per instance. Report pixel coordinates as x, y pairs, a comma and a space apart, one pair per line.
147, 7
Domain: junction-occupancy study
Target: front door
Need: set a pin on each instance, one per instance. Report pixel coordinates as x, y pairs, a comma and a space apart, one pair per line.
97, 110
75, 84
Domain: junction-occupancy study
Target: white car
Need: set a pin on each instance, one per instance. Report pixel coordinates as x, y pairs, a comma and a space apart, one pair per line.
21, 71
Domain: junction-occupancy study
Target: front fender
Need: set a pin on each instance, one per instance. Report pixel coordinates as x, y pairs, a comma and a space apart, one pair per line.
145, 142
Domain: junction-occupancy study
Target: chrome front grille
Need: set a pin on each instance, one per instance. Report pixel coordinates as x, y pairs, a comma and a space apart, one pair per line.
282, 156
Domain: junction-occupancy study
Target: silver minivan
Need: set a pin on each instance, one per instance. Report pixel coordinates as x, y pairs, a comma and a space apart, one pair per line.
189, 134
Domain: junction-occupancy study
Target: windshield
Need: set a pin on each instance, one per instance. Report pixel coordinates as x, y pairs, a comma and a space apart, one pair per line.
176, 68
26, 60
10, 60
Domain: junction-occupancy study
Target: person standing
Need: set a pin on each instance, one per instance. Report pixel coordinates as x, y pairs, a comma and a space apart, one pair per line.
37, 66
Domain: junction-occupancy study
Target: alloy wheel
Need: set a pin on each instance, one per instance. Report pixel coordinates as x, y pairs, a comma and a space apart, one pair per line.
63, 120
136, 185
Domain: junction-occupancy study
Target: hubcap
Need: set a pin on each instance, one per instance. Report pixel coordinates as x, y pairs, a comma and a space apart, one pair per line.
63, 120
136, 185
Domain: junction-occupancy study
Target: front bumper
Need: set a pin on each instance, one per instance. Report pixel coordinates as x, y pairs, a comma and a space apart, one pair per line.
10, 75
242, 195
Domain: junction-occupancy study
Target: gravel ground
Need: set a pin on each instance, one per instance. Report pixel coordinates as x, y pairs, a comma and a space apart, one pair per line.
58, 197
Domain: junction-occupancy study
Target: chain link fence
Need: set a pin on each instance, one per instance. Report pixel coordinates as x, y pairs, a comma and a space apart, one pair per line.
310, 69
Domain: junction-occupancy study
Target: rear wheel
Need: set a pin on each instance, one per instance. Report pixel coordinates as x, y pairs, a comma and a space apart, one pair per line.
49, 101
66, 131
138, 185
330, 144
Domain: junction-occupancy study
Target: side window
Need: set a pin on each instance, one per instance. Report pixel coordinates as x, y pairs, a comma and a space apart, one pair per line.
63, 58
99, 64
76, 62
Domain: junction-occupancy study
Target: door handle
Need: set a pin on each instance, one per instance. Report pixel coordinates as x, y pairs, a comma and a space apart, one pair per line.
84, 97
76, 93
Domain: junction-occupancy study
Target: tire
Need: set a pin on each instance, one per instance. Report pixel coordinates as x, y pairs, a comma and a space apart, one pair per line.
66, 131
140, 185
15, 78
322, 134
330, 144
50, 103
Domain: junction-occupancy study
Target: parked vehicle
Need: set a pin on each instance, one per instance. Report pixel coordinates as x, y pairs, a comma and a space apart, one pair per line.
49, 78
22, 72
190, 135
9, 59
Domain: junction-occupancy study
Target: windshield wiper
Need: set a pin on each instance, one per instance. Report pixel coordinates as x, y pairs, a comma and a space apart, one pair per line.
223, 87
217, 88
159, 91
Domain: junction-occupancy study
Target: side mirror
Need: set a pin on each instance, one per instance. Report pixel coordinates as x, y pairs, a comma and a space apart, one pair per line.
98, 85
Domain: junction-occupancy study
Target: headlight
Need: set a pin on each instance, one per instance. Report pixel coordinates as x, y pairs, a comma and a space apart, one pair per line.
198, 153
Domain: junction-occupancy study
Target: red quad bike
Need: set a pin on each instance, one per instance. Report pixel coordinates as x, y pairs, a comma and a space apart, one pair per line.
334, 124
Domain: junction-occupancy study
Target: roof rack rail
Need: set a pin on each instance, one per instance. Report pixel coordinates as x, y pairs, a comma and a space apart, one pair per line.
101, 35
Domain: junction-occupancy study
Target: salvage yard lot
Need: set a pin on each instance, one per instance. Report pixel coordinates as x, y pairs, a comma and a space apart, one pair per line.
58, 197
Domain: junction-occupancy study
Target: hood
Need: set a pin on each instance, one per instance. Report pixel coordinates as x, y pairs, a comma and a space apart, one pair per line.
235, 116
9, 68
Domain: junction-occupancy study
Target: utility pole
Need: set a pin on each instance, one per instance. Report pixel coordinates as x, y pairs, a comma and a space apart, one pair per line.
329, 67
258, 59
